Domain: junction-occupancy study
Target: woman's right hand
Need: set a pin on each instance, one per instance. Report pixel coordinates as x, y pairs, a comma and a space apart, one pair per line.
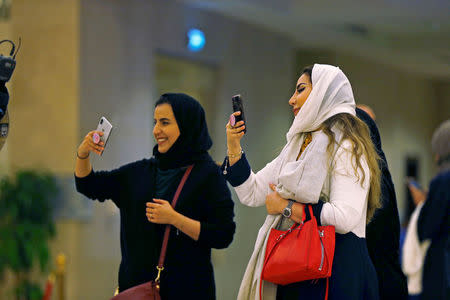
88, 145
235, 134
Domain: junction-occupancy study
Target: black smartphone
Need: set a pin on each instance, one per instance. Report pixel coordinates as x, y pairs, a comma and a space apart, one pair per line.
238, 106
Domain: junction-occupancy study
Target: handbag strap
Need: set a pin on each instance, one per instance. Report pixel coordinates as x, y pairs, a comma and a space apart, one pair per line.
311, 215
162, 255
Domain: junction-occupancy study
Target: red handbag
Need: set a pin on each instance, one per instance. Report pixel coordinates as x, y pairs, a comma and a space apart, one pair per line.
303, 252
150, 290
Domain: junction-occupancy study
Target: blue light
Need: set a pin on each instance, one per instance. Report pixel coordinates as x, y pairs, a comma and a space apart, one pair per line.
196, 40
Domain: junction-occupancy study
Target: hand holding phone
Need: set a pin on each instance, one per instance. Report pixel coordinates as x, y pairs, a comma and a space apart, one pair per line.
414, 183
105, 127
417, 193
238, 106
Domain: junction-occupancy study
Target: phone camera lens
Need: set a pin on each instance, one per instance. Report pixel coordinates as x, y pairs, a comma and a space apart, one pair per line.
101, 121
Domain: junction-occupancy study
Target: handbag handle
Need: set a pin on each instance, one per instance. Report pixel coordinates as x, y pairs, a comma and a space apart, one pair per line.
311, 215
162, 256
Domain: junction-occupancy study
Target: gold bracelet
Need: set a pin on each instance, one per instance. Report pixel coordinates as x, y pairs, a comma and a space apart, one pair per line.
235, 155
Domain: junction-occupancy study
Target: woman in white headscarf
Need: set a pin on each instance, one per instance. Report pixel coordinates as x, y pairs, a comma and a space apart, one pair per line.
329, 162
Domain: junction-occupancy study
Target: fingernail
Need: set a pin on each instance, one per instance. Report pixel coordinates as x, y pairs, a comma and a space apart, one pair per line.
96, 138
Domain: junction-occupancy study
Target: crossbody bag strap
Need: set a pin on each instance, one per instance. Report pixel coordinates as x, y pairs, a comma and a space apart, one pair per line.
162, 256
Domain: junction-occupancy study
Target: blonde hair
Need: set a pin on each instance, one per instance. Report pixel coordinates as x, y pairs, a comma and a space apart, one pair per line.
357, 132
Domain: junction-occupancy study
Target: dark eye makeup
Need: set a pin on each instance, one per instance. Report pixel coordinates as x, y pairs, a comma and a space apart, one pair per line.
163, 122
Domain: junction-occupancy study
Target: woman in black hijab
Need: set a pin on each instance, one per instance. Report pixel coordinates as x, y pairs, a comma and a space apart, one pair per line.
142, 190
383, 231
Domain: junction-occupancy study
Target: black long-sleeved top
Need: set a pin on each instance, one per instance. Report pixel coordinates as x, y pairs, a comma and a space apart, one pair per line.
188, 272
434, 224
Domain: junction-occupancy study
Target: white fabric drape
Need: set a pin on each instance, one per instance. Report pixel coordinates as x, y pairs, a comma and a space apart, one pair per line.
413, 254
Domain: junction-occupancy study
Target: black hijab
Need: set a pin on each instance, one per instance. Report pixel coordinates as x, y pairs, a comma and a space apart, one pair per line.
194, 141
374, 133
384, 229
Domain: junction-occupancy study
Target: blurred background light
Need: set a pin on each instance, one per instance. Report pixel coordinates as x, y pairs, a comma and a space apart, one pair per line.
196, 40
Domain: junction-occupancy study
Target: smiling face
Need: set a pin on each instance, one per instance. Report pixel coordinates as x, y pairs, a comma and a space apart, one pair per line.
166, 130
302, 91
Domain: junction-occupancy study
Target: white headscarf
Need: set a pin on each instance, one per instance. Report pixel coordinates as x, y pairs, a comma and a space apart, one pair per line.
331, 94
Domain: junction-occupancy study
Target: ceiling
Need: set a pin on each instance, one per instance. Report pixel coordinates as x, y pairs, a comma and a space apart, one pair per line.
413, 35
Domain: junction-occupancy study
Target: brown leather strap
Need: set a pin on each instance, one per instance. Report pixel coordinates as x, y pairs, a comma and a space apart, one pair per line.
162, 256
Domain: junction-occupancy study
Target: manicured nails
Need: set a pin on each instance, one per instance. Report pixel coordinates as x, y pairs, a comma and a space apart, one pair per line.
96, 138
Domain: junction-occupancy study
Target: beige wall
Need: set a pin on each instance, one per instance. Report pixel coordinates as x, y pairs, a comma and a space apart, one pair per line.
443, 95
44, 107
45, 99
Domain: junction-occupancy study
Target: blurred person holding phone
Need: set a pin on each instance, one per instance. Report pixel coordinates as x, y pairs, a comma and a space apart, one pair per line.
330, 162
202, 218
433, 221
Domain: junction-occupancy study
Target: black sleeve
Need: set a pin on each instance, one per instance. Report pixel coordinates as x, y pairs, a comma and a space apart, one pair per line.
104, 185
434, 215
238, 173
218, 230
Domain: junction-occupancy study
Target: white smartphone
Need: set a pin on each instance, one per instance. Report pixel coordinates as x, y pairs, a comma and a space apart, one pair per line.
104, 126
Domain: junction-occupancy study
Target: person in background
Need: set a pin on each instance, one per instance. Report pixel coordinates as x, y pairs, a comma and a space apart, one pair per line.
414, 251
201, 220
384, 228
368, 110
434, 219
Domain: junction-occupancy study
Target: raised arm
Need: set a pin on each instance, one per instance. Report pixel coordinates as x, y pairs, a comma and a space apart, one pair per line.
251, 188
83, 164
95, 185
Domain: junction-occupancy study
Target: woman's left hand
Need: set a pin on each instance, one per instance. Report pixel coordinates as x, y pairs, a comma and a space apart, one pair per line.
160, 212
274, 202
